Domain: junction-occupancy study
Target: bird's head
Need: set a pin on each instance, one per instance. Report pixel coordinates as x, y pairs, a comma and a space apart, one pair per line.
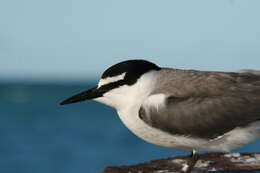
120, 83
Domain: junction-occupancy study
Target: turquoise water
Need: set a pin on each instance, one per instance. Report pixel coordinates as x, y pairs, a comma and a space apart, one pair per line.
38, 135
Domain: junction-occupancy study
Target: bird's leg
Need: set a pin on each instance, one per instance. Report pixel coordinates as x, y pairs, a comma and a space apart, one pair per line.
194, 157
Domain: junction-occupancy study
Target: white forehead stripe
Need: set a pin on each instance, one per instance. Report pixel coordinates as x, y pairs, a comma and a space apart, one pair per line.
111, 79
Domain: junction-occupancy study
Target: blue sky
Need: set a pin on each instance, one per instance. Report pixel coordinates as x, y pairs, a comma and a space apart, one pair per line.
78, 39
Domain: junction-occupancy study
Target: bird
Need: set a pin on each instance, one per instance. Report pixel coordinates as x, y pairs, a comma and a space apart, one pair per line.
181, 109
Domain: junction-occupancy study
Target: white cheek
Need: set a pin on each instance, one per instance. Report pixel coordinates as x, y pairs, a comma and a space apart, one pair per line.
112, 99
116, 98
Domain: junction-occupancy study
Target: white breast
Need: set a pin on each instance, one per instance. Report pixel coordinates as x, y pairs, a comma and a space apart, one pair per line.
231, 140
152, 135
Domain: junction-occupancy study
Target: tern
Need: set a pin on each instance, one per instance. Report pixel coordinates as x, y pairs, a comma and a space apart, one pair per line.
187, 110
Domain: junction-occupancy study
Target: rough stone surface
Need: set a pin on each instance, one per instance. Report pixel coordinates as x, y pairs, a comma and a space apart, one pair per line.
207, 162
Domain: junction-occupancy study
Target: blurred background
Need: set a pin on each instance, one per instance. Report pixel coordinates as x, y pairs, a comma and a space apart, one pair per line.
50, 50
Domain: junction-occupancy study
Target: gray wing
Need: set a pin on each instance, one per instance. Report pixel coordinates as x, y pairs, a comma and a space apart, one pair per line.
207, 114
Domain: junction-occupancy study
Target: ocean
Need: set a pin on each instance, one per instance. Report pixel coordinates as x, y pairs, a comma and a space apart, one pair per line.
40, 136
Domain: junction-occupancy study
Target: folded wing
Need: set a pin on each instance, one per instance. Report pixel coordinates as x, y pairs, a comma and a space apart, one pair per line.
206, 114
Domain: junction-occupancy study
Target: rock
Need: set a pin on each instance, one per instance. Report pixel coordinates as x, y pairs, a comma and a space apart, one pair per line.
207, 162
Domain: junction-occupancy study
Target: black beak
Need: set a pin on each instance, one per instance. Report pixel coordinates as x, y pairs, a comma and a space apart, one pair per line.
85, 95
